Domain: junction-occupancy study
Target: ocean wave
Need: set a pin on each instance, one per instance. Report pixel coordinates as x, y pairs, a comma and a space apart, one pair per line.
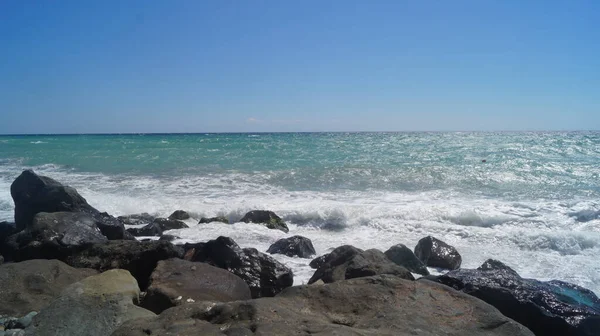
473, 218
333, 220
38, 142
565, 243
585, 215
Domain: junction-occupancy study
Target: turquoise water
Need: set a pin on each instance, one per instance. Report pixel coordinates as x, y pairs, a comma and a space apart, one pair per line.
534, 203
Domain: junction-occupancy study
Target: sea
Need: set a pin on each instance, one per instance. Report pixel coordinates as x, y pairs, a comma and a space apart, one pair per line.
528, 199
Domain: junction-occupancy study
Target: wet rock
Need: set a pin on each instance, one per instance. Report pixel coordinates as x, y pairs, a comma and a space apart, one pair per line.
547, 308
177, 281
403, 256
266, 218
348, 262
435, 253
179, 215
296, 246
136, 219
23, 322
379, 305
318, 261
264, 275
6, 230
111, 227
152, 229
31, 285
139, 258
168, 237
169, 224
221, 219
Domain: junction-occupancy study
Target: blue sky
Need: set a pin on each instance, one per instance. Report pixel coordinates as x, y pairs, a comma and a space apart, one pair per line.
217, 66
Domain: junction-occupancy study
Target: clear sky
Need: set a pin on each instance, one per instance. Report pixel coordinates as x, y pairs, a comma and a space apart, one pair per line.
79, 66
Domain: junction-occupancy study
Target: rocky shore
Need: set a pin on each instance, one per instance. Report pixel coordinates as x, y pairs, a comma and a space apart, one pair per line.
69, 269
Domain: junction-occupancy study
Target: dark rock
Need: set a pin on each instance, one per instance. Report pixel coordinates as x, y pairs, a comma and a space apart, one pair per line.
152, 229
169, 224
31, 285
293, 246
435, 253
179, 215
318, 261
137, 219
6, 229
33, 194
547, 308
1, 260
177, 281
379, 305
403, 256
139, 258
221, 219
111, 227
264, 275
23, 322
348, 262
168, 238
267, 218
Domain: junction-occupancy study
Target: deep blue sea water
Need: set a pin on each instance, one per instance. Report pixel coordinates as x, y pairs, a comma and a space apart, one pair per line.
534, 203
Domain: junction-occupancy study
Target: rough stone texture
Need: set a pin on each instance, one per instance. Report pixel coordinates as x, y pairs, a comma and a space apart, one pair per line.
296, 246
403, 256
264, 275
547, 308
435, 253
168, 237
111, 227
94, 306
140, 258
136, 219
380, 305
177, 281
152, 229
31, 285
221, 219
169, 224
266, 218
348, 262
179, 215
6, 229
318, 261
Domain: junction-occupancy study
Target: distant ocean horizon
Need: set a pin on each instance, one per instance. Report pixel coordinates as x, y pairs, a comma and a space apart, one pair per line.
528, 198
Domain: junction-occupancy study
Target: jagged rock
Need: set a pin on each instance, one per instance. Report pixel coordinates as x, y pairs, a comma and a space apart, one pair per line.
111, 227
6, 229
264, 275
179, 215
139, 258
94, 306
152, 229
31, 285
221, 219
403, 256
318, 261
376, 306
177, 281
547, 308
136, 219
294, 246
168, 237
169, 224
267, 218
348, 262
435, 253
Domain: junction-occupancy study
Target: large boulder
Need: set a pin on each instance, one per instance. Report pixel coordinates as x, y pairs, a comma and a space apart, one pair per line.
152, 229
31, 285
551, 308
266, 218
54, 236
94, 306
403, 256
179, 215
169, 224
264, 275
139, 258
6, 229
296, 246
435, 253
380, 305
178, 281
348, 262
221, 219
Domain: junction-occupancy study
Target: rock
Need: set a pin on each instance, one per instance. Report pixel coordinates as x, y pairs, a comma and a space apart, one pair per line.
22, 322
6, 229
267, 218
348, 262
1, 260
264, 275
152, 229
111, 227
168, 237
14, 332
137, 219
54, 236
139, 258
177, 281
94, 306
403, 256
435, 253
294, 246
221, 219
318, 261
179, 215
33, 194
379, 305
169, 224
31, 285
547, 308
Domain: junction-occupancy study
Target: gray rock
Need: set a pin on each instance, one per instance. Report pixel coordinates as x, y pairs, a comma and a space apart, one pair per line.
23, 322
221, 219
94, 306
179, 215
403, 256
152, 229
176, 281
136, 219
296, 246
169, 224
266, 218
379, 305
14, 332
31, 285
435, 253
